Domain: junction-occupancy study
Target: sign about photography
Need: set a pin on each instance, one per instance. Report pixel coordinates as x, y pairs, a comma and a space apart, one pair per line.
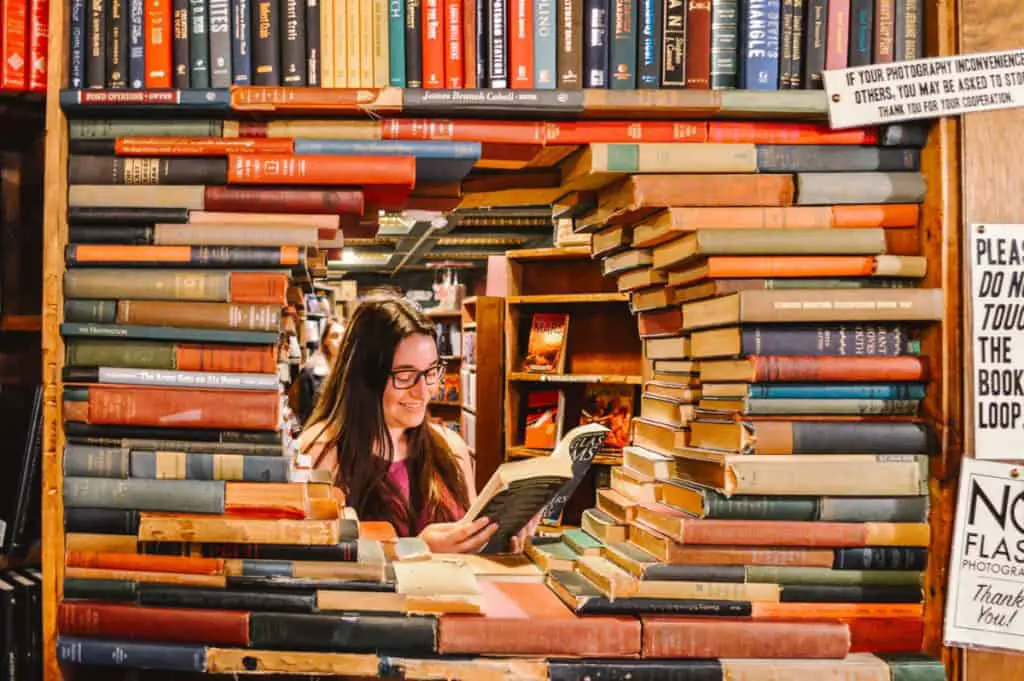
997, 308
924, 88
986, 571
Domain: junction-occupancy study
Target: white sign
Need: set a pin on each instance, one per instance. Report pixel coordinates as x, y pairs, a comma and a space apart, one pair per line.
924, 88
997, 333
986, 571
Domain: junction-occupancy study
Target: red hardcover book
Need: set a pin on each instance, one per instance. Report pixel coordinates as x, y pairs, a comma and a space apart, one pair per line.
469, 33
13, 38
520, 44
157, 41
433, 45
838, 41
453, 43
38, 43
141, 623
321, 170
276, 199
124, 405
790, 132
201, 146
698, 44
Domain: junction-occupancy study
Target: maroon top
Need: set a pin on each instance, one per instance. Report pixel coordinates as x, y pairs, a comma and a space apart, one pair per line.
398, 473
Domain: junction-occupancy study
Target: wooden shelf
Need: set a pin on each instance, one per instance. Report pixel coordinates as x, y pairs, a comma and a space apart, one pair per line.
569, 299
621, 379
548, 254
482, 411
526, 453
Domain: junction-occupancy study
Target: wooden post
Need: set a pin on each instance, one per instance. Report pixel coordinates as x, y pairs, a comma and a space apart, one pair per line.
992, 149
54, 239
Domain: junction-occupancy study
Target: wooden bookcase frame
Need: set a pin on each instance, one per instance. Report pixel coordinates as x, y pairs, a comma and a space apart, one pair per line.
485, 317
941, 231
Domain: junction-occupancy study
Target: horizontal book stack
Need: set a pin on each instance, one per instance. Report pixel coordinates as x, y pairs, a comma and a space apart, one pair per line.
776, 484
498, 44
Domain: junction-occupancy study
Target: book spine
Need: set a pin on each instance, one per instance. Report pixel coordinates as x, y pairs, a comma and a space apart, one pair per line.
797, 46
169, 625
146, 171
199, 44
698, 44
498, 44
172, 496
111, 129
839, 391
862, 23
170, 598
840, 340
202, 466
759, 65
779, 369
545, 44
520, 44
241, 42
482, 48
396, 43
158, 38
314, 40
410, 635
167, 333
413, 43
117, 44
673, 44
837, 44
293, 43
863, 437
266, 53
881, 558
156, 656
345, 551
183, 439
833, 158
874, 509
909, 30
815, 36
100, 521
86, 461
269, 200
242, 257
596, 53
181, 61
433, 54
96, 53
569, 58
786, 45
77, 49
649, 51
172, 378
725, 42
782, 407
95, 311
453, 44
622, 48
885, 20
219, 32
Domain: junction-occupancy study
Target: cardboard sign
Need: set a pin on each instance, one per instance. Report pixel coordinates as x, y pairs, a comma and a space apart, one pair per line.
997, 334
924, 88
986, 571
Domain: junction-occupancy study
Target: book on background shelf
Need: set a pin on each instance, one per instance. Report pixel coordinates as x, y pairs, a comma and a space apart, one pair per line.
546, 345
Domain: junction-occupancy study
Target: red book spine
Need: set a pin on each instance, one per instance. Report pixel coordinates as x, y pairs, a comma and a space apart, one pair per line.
773, 132
321, 169
469, 33
838, 41
453, 42
141, 623
275, 200
622, 132
494, 132
777, 369
698, 44
200, 146
433, 45
520, 44
158, 32
175, 408
38, 43
13, 30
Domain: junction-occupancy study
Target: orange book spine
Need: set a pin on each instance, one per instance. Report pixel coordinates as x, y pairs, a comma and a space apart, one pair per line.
894, 215
712, 190
468, 28
660, 322
453, 42
624, 132
147, 577
493, 132
158, 31
772, 532
768, 267
200, 146
145, 562
433, 44
175, 408
520, 44
258, 287
742, 638
768, 132
713, 555
226, 358
266, 500
13, 44
196, 255
889, 635
142, 623
836, 611
839, 369
321, 170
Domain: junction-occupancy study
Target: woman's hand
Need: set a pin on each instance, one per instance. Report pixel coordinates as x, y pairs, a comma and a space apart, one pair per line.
456, 538
517, 544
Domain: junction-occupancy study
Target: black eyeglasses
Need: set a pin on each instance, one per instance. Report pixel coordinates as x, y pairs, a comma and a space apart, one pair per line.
407, 378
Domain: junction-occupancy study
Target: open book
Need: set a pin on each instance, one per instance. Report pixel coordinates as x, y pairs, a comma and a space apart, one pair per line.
519, 490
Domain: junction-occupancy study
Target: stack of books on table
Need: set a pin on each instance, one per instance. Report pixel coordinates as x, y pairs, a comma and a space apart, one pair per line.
773, 501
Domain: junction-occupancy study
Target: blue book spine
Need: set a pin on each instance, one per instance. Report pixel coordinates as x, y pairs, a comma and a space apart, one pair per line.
835, 340
136, 44
241, 58
266, 568
168, 333
76, 46
128, 103
419, 149
759, 51
396, 42
545, 38
596, 53
163, 656
839, 391
648, 63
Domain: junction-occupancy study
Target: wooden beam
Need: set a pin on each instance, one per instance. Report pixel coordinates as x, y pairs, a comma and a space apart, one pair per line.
992, 146
54, 239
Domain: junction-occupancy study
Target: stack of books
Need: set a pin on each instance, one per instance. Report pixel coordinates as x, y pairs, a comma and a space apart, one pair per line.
777, 476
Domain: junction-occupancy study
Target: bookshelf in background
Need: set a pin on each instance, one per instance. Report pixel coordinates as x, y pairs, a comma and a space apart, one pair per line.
590, 346
481, 379
446, 403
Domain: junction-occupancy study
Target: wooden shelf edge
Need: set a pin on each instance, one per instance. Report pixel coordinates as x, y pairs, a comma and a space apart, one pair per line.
530, 377
548, 253
569, 298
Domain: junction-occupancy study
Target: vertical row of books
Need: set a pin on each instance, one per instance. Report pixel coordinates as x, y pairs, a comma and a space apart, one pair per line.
776, 484
454, 44
23, 45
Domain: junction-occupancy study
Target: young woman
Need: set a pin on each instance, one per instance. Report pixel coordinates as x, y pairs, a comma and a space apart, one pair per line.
311, 378
370, 429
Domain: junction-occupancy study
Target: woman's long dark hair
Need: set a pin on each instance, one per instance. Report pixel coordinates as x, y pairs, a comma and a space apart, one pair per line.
351, 417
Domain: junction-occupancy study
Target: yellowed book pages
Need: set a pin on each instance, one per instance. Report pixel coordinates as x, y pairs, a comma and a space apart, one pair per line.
859, 666
381, 67
236, 530
327, 41
500, 567
603, 527
339, 21
234, 235
354, 38
438, 576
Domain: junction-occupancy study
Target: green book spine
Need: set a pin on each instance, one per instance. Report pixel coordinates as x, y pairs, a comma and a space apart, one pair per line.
100, 589
96, 311
772, 574
913, 667
112, 129
396, 42
96, 462
88, 352
167, 333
